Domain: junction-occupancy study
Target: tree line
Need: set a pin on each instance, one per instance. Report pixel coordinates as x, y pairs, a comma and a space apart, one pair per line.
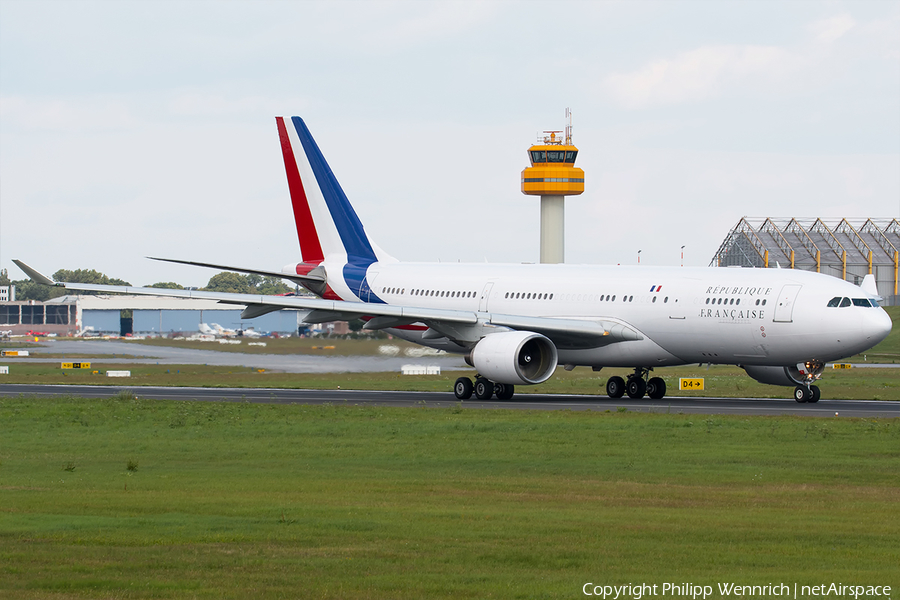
221, 282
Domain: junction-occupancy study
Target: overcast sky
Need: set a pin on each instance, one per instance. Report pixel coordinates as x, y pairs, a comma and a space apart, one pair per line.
133, 129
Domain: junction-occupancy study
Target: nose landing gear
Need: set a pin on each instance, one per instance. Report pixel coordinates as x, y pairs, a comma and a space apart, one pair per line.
808, 372
809, 394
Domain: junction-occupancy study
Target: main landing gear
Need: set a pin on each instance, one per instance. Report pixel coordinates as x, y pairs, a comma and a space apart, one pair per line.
637, 385
482, 388
809, 394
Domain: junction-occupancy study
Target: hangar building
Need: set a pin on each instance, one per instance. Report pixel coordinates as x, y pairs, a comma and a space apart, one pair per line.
70, 315
848, 249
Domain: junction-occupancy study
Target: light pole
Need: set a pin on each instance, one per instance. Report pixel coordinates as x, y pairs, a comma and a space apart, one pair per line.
639, 257
682, 256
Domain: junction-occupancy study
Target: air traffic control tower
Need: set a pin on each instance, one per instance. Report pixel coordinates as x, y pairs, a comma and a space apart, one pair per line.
553, 176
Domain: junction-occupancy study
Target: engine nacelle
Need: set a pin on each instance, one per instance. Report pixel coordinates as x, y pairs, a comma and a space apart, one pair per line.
515, 357
801, 374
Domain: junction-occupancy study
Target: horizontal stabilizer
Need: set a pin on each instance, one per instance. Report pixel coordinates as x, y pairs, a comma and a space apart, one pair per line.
35, 275
315, 279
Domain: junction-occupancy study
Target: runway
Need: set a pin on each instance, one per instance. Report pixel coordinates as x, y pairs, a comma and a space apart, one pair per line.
706, 406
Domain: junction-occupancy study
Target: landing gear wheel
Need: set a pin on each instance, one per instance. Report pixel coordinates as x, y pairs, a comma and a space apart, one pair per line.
504, 391
636, 388
463, 388
802, 394
656, 388
816, 394
484, 389
615, 387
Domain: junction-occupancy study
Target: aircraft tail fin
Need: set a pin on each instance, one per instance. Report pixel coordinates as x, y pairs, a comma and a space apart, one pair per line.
326, 223
869, 286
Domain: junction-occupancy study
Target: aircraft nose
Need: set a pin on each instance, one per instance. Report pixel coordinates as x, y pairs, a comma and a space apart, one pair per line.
877, 326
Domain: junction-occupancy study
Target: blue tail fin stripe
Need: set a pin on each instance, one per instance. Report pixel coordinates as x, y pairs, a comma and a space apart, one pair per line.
349, 227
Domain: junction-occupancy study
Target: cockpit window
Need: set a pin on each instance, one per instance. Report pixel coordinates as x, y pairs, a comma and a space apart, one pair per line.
874, 303
844, 302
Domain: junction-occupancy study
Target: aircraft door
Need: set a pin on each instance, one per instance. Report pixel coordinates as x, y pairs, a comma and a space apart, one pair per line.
784, 309
676, 308
485, 296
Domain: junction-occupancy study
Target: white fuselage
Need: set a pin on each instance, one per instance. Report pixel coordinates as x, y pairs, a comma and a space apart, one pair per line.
684, 315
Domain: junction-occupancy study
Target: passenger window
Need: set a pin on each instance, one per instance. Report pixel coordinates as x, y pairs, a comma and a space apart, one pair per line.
845, 302
834, 302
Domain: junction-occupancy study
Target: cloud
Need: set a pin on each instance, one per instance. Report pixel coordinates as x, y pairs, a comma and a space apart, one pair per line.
709, 72
65, 115
831, 29
702, 74
199, 102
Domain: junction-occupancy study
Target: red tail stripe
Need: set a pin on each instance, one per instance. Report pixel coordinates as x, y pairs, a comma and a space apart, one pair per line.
305, 267
310, 248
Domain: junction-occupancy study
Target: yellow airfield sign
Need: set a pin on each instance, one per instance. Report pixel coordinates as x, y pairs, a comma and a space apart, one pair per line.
688, 384
76, 365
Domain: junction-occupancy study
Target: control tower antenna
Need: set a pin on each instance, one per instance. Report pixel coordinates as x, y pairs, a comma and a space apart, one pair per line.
553, 176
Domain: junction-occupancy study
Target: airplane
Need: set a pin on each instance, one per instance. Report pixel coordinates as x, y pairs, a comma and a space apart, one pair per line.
250, 332
515, 323
216, 330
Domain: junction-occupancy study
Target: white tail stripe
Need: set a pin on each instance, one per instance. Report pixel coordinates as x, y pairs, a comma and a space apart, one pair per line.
330, 239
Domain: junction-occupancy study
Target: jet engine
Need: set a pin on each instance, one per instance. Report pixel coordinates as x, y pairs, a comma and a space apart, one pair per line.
800, 374
514, 357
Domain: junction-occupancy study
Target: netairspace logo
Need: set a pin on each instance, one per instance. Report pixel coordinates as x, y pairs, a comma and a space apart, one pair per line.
727, 590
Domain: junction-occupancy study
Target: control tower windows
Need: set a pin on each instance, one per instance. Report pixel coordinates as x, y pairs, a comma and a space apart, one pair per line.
538, 156
556, 156
553, 156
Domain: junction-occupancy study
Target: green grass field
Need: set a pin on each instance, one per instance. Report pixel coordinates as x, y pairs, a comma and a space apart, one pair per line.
130, 498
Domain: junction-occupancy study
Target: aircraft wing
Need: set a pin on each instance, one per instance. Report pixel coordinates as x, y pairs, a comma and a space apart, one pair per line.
460, 325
